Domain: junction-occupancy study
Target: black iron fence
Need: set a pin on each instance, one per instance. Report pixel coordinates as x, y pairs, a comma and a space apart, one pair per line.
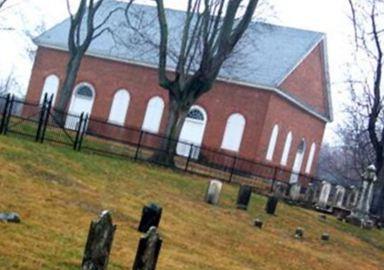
43, 123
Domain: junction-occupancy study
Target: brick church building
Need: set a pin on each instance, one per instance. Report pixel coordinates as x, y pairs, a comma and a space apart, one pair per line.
270, 104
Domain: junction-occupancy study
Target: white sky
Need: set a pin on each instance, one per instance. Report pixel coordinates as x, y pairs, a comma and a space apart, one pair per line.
328, 16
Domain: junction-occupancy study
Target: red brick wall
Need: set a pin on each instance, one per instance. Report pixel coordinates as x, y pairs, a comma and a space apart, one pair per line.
301, 124
260, 108
307, 81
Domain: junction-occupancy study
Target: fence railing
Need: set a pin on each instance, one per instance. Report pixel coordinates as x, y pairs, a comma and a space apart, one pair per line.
43, 123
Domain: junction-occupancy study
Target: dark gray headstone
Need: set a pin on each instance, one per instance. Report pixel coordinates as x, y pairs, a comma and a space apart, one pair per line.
10, 217
99, 243
151, 216
271, 205
258, 223
299, 233
325, 237
148, 251
244, 196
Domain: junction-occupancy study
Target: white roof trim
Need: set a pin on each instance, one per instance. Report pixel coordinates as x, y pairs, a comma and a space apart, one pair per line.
261, 87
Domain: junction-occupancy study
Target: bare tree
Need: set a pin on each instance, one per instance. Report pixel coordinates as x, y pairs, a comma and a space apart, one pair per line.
2, 3
83, 30
210, 33
9, 84
366, 16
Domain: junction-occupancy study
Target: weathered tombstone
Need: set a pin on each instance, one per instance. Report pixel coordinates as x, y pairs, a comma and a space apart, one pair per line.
148, 251
280, 189
99, 243
151, 216
271, 205
299, 233
294, 192
324, 195
360, 215
10, 217
258, 223
339, 198
325, 237
322, 217
244, 196
213, 193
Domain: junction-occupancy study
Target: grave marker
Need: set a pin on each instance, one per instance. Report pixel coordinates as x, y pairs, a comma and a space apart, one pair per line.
151, 216
213, 193
148, 250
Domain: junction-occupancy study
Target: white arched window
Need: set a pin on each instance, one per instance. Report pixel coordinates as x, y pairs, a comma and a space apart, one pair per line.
119, 107
272, 142
51, 85
153, 115
287, 148
233, 133
310, 158
296, 169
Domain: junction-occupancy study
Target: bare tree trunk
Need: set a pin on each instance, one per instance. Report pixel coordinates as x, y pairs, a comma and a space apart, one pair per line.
62, 104
176, 117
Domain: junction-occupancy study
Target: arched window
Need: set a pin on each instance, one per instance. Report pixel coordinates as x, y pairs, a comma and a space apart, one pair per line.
310, 158
84, 92
153, 115
195, 114
287, 148
82, 100
233, 133
272, 142
119, 107
192, 132
51, 85
296, 169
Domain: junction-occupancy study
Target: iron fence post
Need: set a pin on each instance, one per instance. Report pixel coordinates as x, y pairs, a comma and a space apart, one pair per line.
83, 131
189, 157
232, 169
273, 179
46, 118
4, 113
78, 130
41, 118
139, 145
8, 115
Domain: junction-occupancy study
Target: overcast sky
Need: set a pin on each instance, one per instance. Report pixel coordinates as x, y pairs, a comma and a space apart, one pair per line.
328, 16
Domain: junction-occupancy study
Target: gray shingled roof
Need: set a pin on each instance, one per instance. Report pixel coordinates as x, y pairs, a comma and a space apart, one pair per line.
264, 57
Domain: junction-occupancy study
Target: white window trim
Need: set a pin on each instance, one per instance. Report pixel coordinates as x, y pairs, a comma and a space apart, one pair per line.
287, 149
310, 159
272, 142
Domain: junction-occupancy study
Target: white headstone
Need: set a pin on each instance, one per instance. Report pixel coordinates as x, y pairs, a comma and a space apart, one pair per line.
339, 198
324, 194
213, 192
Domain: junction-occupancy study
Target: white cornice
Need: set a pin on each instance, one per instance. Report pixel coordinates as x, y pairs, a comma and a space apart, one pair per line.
275, 90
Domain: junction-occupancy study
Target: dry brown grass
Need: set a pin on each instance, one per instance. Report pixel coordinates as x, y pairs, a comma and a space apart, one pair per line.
58, 191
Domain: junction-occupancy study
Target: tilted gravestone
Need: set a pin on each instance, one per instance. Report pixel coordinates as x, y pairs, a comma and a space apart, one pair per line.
299, 233
271, 205
99, 243
151, 216
325, 237
258, 223
213, 192
10, 217
244, 196
148, 251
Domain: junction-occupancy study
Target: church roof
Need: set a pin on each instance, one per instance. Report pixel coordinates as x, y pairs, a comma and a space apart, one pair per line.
265, 57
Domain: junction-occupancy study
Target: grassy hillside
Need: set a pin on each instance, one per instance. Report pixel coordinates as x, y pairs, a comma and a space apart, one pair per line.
58, 192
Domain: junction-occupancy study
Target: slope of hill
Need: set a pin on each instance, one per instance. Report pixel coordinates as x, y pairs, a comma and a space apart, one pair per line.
58, 192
